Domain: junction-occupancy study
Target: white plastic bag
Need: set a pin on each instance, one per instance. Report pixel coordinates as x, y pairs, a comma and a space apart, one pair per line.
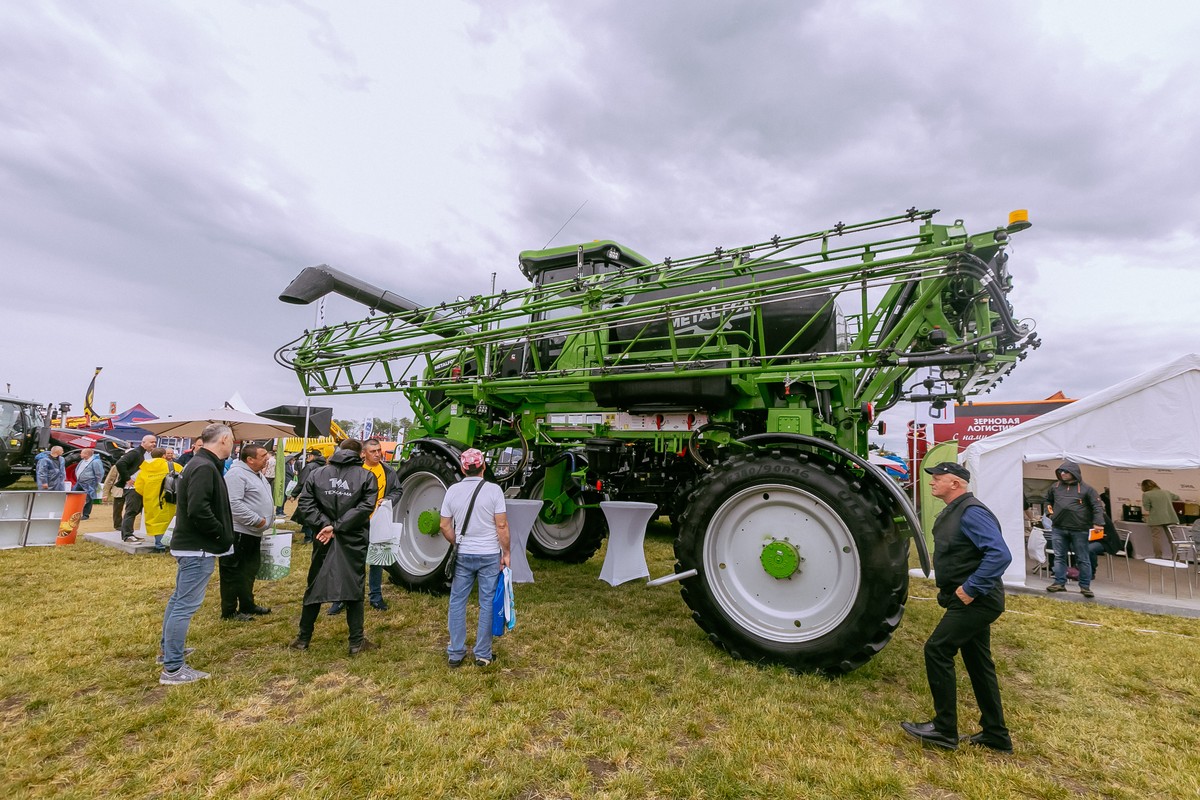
1036, 546
385, 537
276, 556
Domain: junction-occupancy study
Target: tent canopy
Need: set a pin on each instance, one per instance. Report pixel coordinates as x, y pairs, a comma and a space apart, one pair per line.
1150, 421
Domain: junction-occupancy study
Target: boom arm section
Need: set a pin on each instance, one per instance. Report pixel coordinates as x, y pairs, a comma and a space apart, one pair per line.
765, 313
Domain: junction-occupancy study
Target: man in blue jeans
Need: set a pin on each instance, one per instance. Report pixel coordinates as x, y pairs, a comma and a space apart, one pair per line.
203, 532
474, 514
1075, 508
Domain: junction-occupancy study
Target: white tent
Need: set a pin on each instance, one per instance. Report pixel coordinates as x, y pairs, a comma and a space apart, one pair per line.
1150, 421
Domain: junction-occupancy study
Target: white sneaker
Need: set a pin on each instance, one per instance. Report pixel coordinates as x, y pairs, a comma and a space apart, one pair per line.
184, 674
187, 651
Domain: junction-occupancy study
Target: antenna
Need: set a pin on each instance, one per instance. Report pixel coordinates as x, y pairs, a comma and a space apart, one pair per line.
560, 230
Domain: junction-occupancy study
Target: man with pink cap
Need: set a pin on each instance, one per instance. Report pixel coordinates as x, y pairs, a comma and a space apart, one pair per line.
473, 514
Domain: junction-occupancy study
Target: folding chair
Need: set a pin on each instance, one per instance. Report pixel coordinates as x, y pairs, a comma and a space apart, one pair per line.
1123, 553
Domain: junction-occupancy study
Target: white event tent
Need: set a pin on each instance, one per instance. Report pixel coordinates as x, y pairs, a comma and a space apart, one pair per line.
1151, 421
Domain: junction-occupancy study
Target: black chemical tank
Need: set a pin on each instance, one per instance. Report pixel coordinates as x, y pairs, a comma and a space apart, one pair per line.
781, 319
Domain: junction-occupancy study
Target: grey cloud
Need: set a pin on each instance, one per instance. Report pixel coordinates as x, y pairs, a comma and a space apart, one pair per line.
837, 111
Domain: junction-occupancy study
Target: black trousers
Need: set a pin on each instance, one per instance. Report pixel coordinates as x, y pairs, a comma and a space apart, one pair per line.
966, 629
237, 572
133, 507
354, 620
118, 511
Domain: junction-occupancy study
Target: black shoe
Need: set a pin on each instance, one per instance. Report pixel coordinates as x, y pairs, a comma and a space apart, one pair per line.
1087, 592
258, 611
130, 538
300, 643
979, 740
455, 663
335, 609
484, 662
380, 605
158, 550
925, 733
237, 617
1056, 587
362, 647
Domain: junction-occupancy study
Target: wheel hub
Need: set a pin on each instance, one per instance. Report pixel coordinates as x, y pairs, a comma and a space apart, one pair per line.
429, 521
780, 559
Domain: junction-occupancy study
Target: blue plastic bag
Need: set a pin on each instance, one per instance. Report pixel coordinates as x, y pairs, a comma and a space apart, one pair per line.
504, 615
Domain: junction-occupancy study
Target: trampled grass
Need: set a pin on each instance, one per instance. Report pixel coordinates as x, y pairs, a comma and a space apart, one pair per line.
599, 692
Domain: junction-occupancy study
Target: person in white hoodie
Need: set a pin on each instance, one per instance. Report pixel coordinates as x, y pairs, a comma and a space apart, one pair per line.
252, 506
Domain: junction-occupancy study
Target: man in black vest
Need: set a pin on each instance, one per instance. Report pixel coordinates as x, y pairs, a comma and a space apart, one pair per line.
969, 556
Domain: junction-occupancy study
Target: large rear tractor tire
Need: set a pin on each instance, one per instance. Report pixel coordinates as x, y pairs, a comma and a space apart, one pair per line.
798, 563
572, 540
423, 550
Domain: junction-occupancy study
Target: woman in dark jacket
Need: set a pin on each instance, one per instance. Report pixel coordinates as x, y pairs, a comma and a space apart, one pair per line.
336, 500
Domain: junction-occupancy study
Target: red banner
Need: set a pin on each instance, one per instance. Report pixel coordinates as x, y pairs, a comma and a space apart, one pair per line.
975, 421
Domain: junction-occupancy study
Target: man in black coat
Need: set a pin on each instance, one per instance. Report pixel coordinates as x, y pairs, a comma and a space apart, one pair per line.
337, 500
127, 468
203, 532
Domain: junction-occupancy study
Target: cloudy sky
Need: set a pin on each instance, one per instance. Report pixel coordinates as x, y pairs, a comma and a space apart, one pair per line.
167, 168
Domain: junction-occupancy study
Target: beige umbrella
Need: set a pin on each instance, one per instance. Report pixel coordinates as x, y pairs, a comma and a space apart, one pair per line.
245, 426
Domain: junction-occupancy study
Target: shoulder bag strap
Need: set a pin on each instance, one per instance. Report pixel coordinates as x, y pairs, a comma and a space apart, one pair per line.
470, 508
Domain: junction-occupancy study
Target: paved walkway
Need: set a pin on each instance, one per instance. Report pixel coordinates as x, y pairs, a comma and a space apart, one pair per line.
113, 539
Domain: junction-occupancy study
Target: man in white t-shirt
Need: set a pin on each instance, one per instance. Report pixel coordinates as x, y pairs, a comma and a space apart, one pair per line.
482, 552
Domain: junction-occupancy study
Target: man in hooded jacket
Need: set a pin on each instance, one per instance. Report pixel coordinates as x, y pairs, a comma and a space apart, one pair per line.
1074, 508
337, 500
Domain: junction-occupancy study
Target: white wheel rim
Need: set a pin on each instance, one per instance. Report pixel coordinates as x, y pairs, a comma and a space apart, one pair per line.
418, 553
560, 536
814, 600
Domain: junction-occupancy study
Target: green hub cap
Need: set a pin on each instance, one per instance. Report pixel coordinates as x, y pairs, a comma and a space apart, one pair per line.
780, 559
429, 522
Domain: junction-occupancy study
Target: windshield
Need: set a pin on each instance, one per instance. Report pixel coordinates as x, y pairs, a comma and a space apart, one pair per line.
10, 417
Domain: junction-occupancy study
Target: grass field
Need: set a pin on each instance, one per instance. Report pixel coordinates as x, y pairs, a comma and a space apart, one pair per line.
599, 692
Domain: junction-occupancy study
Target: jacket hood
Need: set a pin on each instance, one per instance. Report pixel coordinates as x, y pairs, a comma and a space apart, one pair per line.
155, 467
1071, 467
241, 466
345, 458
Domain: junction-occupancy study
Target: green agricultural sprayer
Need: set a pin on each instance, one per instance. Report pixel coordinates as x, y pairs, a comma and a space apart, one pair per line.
735, 390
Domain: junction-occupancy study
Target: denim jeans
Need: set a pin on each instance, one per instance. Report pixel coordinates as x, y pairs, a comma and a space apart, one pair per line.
469, 570
88, 491
191, 581
1079, 543
375, 584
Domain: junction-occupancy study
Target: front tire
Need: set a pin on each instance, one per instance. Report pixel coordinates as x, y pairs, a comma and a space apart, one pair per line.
422, 553
798, 563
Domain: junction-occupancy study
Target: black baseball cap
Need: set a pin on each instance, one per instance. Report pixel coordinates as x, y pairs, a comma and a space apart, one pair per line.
950, 468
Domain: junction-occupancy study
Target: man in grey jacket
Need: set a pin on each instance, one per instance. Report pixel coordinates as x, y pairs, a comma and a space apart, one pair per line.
51, 470
252, 506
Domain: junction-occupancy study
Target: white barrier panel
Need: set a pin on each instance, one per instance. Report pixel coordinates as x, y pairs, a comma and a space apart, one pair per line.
14, 518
